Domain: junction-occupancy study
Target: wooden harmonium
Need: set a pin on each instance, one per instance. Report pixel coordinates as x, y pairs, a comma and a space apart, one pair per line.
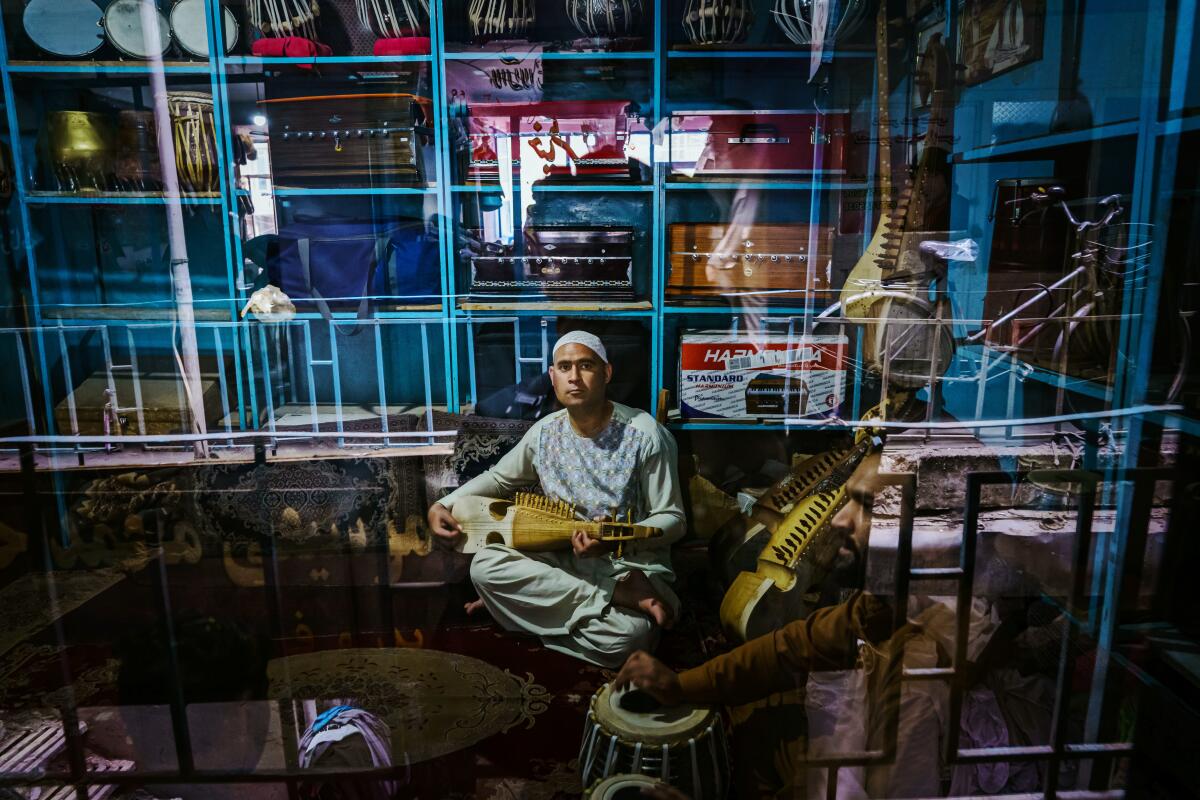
557, 263
556, 139
357, 138
773, 259
759, 143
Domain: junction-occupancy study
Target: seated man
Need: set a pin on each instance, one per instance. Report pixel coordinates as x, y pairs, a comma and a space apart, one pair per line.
603, 457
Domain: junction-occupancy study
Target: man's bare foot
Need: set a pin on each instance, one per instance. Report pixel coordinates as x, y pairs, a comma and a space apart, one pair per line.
636, 593
473, 607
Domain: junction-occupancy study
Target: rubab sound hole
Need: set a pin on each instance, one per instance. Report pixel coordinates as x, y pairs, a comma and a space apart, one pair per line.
494, 537
499, 509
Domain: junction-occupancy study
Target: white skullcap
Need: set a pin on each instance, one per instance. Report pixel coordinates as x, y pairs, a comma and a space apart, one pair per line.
588, 340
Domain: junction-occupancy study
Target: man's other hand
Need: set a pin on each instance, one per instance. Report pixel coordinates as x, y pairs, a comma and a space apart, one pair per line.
442, 522
644, 671
587, 547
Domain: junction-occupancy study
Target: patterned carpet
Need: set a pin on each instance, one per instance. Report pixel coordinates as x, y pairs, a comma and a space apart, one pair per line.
478, 712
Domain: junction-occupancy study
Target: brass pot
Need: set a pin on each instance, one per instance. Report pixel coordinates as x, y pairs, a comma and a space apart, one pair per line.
137, 167
79, 147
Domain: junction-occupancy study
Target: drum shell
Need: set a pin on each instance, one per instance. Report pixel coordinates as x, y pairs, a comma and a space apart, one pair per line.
194, 134
54, 12
716, 22
137, 166
199, 46
79, 149
605, 17
132, 9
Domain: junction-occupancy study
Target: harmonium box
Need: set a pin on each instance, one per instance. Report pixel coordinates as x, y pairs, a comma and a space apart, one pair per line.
556, 139
164, 406
771, 259
770, 376
371, 139
557, 263
759, 143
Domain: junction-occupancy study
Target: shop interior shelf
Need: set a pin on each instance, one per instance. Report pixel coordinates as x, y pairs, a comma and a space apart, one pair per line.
554, 55
543, 186
254, 61
107, 67
1047, 141
636, 308
345, 191
781, 52
700, 184
120, 198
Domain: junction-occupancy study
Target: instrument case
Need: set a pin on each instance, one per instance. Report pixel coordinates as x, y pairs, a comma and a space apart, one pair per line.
558, 263
766, 143
773, 258
163, 401
557, 139
375, 138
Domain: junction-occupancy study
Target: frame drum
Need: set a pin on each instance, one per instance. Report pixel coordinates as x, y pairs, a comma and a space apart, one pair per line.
123, 26
64, 28
188, 24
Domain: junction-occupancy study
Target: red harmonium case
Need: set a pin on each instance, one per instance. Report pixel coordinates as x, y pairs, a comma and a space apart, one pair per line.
774, 259
553, 138
764, 143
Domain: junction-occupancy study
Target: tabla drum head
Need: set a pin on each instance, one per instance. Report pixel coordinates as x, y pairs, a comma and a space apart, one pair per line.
123, 26
620, 787
654, 726
191, 31
64, 28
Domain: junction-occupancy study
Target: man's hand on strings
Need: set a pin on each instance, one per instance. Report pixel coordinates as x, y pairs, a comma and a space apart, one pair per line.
442, 522
587, 547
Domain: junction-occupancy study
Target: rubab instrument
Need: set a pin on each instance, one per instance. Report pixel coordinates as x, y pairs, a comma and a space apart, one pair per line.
892, 265
797, 513
534, 523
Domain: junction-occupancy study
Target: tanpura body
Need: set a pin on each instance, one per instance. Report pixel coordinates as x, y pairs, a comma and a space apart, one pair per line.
533, 523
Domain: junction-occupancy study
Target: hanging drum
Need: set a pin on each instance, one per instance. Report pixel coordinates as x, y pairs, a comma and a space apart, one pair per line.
794, 17
190, 28
195, 141
79, 148
123, 27
605, 17
714, 22
137, 167
394, 19
64, 28
501, 19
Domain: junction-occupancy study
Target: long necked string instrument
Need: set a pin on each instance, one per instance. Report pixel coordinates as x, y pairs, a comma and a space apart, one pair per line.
534, 523
801, 547
891, 269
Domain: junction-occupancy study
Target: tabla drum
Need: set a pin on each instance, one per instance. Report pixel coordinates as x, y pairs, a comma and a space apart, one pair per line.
195, 138
64, 28
389, 19
501, 19
628, 733
620, 787
190, 28
123, 27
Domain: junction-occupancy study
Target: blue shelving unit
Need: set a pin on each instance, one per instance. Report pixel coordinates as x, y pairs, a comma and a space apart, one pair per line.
1151, 128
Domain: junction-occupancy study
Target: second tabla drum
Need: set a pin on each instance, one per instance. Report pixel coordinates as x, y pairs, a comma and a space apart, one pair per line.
629, 733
